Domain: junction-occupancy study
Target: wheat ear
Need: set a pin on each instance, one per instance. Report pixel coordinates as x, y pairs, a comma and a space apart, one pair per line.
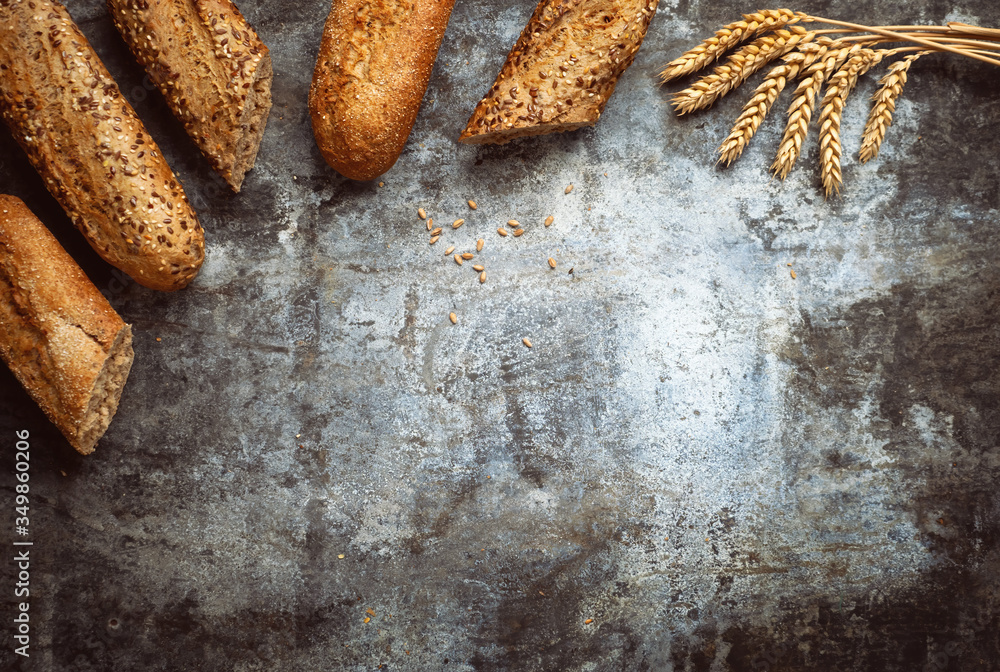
800, 111
885, 98
745, 61
726, 38
765, 94
841, 84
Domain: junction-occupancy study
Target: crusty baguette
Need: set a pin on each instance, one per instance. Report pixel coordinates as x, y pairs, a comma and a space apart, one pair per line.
58, 334
375, 60
562, 70
91, 149
211, 68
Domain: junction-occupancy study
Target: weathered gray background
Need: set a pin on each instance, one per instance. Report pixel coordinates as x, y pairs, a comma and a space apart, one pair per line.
723, 467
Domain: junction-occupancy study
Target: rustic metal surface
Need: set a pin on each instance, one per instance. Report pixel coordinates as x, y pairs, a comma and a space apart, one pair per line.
724, 467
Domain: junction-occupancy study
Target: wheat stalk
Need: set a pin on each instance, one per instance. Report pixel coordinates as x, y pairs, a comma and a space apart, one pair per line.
744, 62
840, 86
726, 38
766, 93
800, 111
885, 98
836, 55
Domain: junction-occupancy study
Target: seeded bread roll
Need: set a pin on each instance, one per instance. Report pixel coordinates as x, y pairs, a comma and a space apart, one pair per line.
562, 70
211, 68
58, 334
91, 149
375, 61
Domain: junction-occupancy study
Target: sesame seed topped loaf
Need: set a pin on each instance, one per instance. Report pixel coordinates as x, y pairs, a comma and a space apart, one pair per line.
562, 70
375, 60
60, 337
92, 151
211, 68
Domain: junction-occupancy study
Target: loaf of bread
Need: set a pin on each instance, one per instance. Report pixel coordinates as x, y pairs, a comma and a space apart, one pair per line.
562, 70
375, 61
91, 149
58, 334
211, 68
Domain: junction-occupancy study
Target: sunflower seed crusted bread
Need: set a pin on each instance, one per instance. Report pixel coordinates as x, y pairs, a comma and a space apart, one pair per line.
562, 70
375, 60
211, 68
58, 334
92, 151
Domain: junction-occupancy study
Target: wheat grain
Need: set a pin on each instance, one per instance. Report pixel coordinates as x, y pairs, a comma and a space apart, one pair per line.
766, 93
841, 84
726, 38
738, 67
800, 111
885, 98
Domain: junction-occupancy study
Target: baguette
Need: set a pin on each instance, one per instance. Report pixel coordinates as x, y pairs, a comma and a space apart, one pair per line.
91, 149
375, 60
58, 334
562, 70
211, 68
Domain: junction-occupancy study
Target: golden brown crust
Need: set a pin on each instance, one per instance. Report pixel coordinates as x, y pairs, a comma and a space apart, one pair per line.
91, 149
58, 334
374, 63
211, 68
562, 70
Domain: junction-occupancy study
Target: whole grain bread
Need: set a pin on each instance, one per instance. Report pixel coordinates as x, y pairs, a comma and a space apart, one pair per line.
211, 68
58, 334
562, 70
92, 151
375, 60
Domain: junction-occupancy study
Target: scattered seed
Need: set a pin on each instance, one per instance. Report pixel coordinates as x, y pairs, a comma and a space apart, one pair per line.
571, 271
430, 224
513, 223
341, 556
453, 317
458, 259
472, 204
457, 223
436, 232
793, 274
569, 189
449, 250
421, 213
552, 262
467, 255
367, 618
502, 231
482, 277
479, 245
549, 220
518, 232
479, 267
588, 621
526, 342
435, 239
381, 184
